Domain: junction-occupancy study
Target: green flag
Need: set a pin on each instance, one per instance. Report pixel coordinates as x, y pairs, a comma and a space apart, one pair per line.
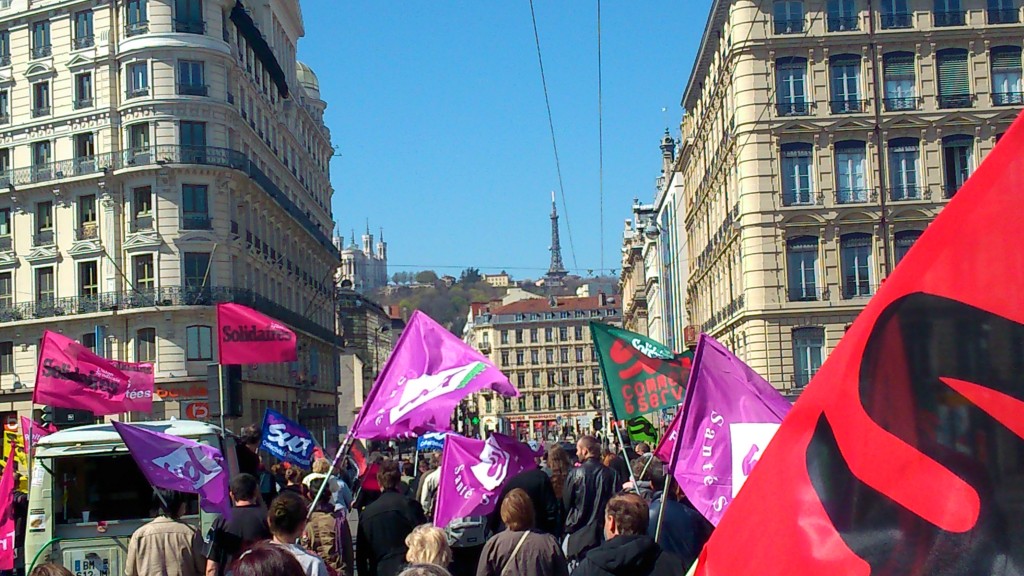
640, 429
641, 375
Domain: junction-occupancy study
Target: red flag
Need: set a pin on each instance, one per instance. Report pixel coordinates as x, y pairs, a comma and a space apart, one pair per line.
70, 375
7, 514
903, 457
248, 337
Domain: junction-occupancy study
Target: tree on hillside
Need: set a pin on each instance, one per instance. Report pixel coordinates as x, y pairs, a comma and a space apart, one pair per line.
426, 277
470, 276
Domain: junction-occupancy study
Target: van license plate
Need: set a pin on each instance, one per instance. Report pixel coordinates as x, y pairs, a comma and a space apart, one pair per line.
89, 564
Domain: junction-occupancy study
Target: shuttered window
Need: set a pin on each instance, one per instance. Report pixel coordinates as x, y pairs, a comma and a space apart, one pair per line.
1006, 76
953, 74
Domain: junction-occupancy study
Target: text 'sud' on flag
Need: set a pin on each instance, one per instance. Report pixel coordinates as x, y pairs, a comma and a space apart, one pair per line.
430, 371
642, 375
70, 375
473, 473
245, 336
904, 454
180, 464
287, 440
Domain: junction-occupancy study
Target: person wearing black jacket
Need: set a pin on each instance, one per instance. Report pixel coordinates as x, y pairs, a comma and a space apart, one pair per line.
588, 488
384, 524
547, 509
628, 550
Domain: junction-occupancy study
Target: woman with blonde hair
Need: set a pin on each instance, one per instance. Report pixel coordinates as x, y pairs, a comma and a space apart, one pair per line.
520, 550
428, 545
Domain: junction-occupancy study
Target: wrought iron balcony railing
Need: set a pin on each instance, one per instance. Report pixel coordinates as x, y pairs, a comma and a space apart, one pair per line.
40, 111
1007, 98
196, 222
793, 108
6, 243
801, 198
43, 238
901, 103
136, 28
852, 195
87, 231
87, 41
843, 23
42, 51
193, 89
806, 293
1003, 16
905, 193
848, 106
83, 103
790, 26
950, 189
190, 26
137, 92
896, 20
956, 100
949, 18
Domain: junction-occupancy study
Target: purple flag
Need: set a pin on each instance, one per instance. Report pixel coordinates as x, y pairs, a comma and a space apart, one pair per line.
729, 416
473, 472
427, 375
179, 464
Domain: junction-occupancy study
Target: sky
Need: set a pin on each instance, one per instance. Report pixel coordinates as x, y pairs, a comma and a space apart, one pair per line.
437, 112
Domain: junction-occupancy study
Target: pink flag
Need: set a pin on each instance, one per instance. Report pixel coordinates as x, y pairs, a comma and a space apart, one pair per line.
72, 376
428, 374
32, 432
729, 416
141, 383
247, 337
7, 514
473, 472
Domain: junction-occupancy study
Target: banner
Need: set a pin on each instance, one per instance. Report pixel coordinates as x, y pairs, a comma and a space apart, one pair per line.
728, 419
359, 457
7, 487
641, 375
179, 464
902, 456
428, 374
287, 440
31, 433
71, 376
247, 337
641, 429
430, 441
473, 472
141, 383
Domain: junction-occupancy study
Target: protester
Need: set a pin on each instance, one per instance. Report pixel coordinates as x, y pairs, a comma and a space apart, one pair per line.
547, 509
628, 550
521, 550
683, 530
384, 524
287, 520
559, 465
339, 492
642, 449
166, 545
293, 478
428, 545
428, 486
266, 559
50, 569
425, 570
246, 525
369, 489
328, 535
19, 505
588, 488
619, 466
423, 469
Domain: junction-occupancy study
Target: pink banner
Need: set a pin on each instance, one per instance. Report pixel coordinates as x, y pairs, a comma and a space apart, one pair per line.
247, 337
72, 376
141, 384
7, 514
32, 432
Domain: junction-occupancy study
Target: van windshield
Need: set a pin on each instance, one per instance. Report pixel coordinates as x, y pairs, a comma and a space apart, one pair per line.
107, 487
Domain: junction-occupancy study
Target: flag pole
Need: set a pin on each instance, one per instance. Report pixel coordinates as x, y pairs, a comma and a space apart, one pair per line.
220, 393
625, 456
671, 471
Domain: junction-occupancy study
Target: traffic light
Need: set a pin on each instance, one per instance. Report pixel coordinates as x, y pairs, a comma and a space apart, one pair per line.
46, 418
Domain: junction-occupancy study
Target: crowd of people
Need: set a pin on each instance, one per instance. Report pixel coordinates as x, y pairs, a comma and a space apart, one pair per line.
584, 512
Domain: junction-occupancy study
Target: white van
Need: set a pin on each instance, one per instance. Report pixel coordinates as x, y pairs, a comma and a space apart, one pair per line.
87, 496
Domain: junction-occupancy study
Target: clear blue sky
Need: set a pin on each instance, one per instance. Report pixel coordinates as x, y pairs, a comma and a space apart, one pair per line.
438, 112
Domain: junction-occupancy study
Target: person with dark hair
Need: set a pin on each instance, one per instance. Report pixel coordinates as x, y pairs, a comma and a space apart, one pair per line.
287, 520
246, 526
266, 559
50, 569
627, 549
588, 488
684, 530
547, 510
328, 534
521, 550
166, 545
384, 524
427, 496
293, 478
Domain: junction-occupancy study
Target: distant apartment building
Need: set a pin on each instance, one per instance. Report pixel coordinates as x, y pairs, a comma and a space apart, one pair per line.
158, 157
501, 280
818, 142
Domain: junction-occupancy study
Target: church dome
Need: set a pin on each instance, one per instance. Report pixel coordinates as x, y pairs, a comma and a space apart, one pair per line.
308, 80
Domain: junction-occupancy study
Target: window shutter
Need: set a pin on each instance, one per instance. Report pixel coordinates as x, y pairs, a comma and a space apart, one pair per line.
1006, 57
953, 73
899, 65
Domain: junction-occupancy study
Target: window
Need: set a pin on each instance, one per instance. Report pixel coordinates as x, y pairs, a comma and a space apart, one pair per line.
549, 334
5, 221
504, 358
522, 403
578, 332
855, 256
138, 143
552, 380
842, 15
6, 357
900, 81
519, 336
136, 18
87, 216
195, 211
5, 48
791, 80
796, 174
534, 337
851, 156
520, 358
904, 154
808, 347
549, 355
957, 161
535, 378
41, 155
504, 336
138, 79
563, 333
580, 377
191, 78
145, 345
88, 279
5, 106
41, 40
6, 290
902, 242
88, 340
196, 266
487, 404
789, 17
534, 357
142, 273
44, 284
844, 72
142, 207
565, 378
949, 13
83, 90
1002, 12
85, 153
44, 216
192, 138
83, 30
564, 355
579, 355
40, 99
1006, 76
198, 343
566, 402
188, 17
802, 260
896, 14
581, 399
954, 79
551, 401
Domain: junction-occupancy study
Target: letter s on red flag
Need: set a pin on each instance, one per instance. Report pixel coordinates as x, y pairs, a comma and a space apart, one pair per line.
247, 337
903, 455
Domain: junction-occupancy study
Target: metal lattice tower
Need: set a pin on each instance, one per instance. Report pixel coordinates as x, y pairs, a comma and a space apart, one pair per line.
557, 269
